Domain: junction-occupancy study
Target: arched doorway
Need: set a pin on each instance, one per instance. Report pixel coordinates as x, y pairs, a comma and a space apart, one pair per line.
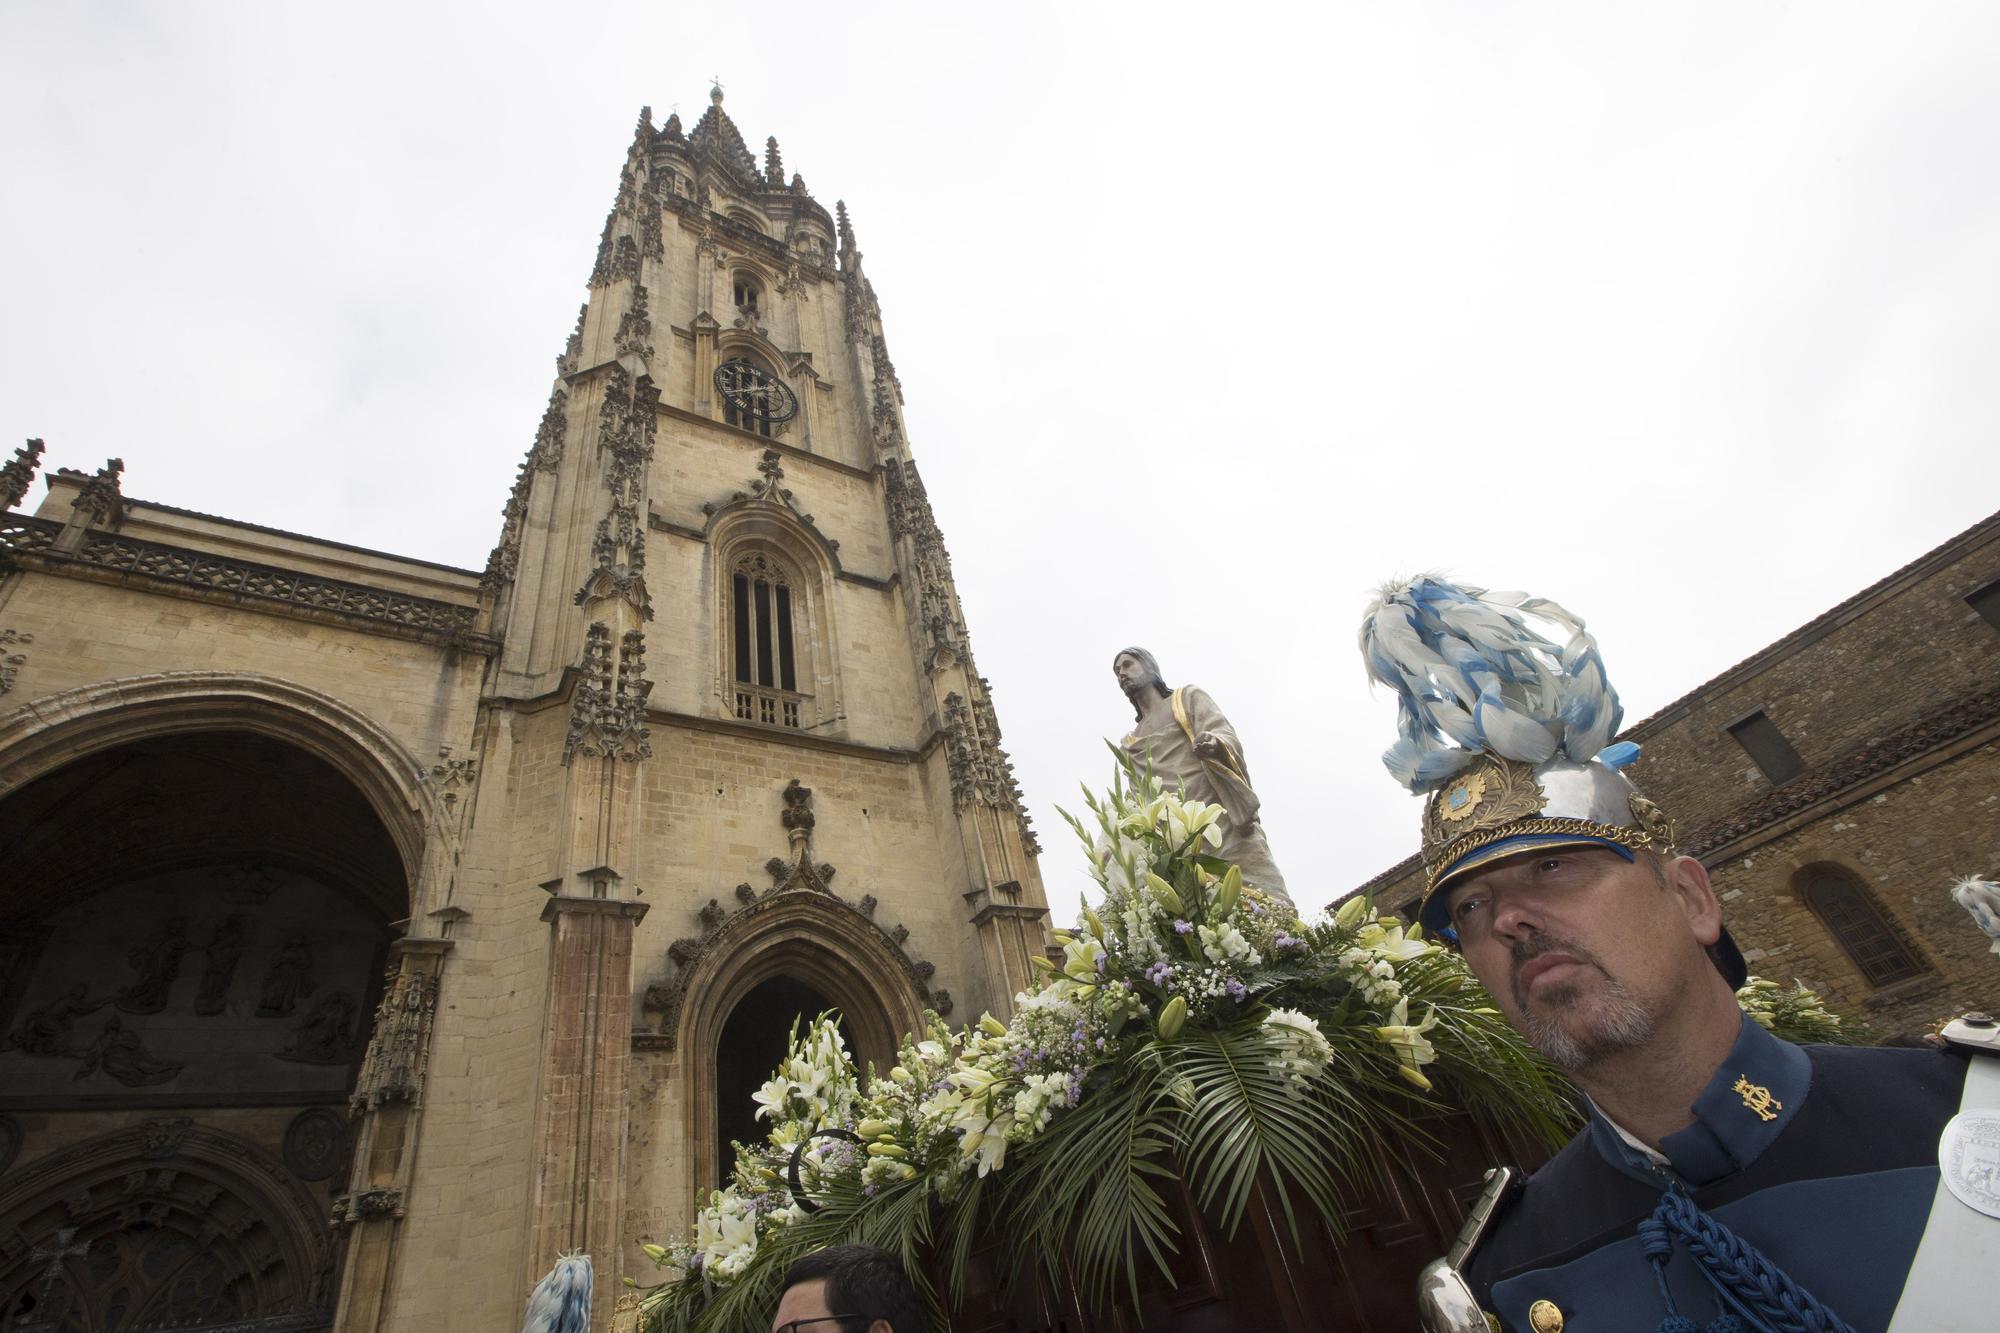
192, 937
165, 1225
800, 952
754, 1039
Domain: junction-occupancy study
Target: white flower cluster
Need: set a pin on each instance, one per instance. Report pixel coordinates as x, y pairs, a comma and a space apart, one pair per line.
815, 1085
1302, 1050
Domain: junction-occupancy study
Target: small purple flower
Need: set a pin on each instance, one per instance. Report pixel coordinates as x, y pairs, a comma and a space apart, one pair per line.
1285, 941
868, 1190
1160, 974
1183, 928
1237, 990
1103, 961
1100, 1043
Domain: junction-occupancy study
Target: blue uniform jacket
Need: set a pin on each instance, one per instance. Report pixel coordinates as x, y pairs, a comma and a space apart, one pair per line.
1834, 1187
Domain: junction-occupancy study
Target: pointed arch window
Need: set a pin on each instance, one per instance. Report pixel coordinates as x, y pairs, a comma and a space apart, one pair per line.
765, 642
1858, 925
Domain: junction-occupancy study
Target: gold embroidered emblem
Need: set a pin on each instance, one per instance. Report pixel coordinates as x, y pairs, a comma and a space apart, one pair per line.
1462, 798
1543, 1317
1757, 1099
1488, 797
1653, 820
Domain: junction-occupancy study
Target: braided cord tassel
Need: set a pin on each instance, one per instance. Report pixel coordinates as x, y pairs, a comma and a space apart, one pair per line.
1757, 1289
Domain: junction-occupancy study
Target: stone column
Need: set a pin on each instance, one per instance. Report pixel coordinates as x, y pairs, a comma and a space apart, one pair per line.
389, 1099
577, 1198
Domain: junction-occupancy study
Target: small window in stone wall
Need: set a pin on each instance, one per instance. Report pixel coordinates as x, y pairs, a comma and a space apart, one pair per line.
1858, 924
1986, 601
1760, 738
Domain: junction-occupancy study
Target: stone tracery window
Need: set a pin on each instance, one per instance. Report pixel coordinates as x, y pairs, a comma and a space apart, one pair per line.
1858, 925
764, 642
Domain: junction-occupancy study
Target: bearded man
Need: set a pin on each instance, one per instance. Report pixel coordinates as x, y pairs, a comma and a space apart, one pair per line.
1725, 1179
1187, 741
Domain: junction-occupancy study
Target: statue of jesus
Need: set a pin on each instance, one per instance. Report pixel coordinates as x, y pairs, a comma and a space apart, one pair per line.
1191, 745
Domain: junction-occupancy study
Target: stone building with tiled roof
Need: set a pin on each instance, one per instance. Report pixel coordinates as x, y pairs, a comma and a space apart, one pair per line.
1837, 782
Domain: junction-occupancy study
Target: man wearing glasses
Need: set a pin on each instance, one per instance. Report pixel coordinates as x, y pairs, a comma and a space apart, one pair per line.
848, 1289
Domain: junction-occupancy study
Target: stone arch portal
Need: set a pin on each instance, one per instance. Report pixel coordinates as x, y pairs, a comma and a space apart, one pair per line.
49, 733
808, 941
163, 1225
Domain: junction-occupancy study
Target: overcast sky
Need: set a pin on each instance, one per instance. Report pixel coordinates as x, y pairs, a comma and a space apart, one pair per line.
1208, 320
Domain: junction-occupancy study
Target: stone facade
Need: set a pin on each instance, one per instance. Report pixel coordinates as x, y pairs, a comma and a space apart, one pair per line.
1890, 704
516, 844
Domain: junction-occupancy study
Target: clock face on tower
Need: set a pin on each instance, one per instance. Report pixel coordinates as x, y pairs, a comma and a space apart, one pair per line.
754, 393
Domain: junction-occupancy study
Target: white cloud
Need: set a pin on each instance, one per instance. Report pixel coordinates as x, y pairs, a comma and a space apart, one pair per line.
1209, 319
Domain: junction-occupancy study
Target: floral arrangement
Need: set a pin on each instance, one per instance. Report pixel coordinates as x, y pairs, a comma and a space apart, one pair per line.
1797, 1015
1194, 1029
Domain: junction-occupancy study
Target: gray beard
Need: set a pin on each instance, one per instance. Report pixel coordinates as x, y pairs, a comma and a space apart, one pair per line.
1616, 1023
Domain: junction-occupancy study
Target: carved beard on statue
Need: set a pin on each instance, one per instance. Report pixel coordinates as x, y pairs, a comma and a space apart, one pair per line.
1150, 680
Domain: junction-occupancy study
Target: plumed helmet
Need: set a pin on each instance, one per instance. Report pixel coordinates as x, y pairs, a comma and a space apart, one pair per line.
1505, 719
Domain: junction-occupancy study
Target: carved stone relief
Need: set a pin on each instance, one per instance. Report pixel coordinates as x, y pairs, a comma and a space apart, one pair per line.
799, 874
316, 1144
393, 1069
124, 1056
425, 617
157, 962
607, 717
11, 663
163, 1226
18, 473
221, 954
325, 1035
101, 496
287, 980
635, 326
545, 455
194, 985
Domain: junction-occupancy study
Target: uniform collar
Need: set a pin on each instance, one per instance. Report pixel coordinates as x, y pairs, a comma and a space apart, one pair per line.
1754, 1094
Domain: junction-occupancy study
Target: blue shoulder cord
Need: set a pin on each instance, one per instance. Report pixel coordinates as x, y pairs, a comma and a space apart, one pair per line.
1757, 1290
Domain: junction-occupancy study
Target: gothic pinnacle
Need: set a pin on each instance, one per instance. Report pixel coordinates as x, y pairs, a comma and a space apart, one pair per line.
644, 130
774, 166
846, 228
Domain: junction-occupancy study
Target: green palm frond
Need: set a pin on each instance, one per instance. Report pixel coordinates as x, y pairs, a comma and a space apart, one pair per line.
1247, 1118
1082, 1199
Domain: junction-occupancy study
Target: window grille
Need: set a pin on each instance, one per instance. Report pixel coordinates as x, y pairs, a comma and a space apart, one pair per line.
763, 649
1859, 926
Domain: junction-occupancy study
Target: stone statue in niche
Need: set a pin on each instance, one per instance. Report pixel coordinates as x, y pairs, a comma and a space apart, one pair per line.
158, 962
288, 980
1186, 740
325, 1035
48, 1030
222, 952
123, 1056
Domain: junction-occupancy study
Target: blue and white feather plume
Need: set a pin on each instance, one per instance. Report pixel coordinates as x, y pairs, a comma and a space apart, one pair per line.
560, 1302
1981, 897
1486, 672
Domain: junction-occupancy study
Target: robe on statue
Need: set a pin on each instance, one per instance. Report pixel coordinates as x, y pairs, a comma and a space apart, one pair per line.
1167, 741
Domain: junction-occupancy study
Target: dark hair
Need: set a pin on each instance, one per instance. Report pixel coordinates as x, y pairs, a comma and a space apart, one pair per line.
863, 1281
1149, 664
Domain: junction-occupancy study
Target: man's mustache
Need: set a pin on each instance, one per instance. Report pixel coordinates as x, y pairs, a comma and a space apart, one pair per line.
1534, 946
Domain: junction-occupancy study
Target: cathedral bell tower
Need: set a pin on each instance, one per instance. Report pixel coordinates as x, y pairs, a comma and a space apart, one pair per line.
750, 767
